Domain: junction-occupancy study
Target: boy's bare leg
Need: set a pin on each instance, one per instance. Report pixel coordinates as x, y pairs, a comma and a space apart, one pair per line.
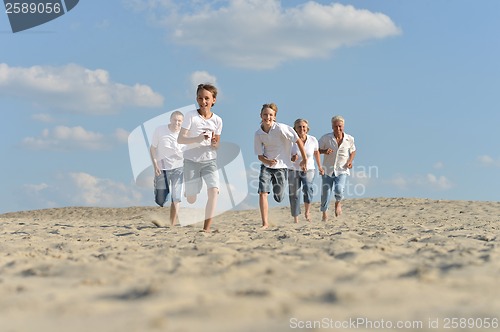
307, 214
325, 216
338, 208
174, 208
264, 209
210, 208
296, 219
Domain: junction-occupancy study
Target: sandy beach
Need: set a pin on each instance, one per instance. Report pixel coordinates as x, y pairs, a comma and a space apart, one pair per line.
409, 264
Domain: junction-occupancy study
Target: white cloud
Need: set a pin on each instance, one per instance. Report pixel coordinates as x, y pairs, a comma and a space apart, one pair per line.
42, 117
62, 138
202, 77
427, 181
94, 191
488, 161
75, 89
121, 135
262, 34
36, 187
439, 165
438, 182
82, 189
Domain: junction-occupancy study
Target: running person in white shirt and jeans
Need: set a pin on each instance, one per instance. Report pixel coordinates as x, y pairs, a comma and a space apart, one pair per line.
297, 178
339, 150
166, 155
273, 144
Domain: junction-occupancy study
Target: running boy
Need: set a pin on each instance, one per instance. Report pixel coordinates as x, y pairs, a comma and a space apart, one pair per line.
201, 130
273, 144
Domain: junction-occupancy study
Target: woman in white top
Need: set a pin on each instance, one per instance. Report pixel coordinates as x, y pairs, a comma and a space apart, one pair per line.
297, 178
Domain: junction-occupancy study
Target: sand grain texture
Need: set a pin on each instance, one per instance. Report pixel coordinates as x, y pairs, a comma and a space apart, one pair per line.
112, 269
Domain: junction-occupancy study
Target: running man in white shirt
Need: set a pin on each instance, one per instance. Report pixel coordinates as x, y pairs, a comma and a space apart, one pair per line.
339, 150
273, 144
166, 155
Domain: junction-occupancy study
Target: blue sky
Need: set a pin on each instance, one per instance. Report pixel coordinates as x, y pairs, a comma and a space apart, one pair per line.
417, 81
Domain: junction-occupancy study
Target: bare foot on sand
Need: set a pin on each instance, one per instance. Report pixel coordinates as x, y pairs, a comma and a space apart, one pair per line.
307, 216
338, 209
264, 227
325, 216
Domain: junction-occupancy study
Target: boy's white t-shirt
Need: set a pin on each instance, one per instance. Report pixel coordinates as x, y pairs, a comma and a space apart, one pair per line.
168, 151
276, 144
196, 125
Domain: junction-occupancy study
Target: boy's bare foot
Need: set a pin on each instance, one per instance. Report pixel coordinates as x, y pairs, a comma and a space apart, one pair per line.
266, 226
296, 220
307, 216
324, 217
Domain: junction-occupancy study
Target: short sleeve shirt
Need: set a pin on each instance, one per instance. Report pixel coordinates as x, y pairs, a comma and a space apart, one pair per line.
310, 146
334, 163
276, 144
196, 125
168, 151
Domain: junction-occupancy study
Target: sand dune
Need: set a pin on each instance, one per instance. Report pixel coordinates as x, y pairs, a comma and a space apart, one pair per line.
385, 261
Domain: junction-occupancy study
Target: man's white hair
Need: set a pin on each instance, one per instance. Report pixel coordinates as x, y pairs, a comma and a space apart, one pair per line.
338, 118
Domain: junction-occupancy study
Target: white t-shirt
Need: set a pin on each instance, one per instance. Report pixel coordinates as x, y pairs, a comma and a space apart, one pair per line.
334, 163
277, 144
197, 125
168, 151
310, 146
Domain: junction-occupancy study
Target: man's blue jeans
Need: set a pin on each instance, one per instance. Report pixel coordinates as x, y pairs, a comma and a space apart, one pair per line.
327, 184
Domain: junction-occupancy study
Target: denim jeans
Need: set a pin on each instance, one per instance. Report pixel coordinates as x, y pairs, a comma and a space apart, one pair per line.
296, 180
329, 182
277, 177
168, 182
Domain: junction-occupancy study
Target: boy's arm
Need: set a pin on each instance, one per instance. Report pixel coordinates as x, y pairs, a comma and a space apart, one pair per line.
303, 163
215, 141
183, 139
294, 154
266, 161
